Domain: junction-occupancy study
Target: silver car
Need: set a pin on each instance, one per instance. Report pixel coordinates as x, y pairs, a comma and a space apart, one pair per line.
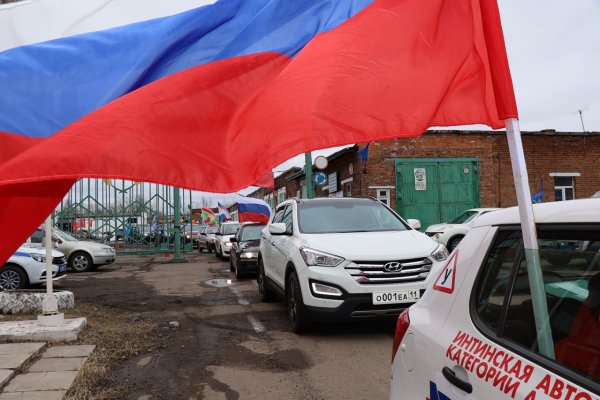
81, 255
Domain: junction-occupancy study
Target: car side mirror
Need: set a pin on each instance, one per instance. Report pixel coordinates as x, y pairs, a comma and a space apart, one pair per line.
414, 223
278, 228
233, 240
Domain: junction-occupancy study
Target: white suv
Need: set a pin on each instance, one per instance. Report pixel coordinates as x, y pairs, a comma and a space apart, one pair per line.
343, 258
492, 327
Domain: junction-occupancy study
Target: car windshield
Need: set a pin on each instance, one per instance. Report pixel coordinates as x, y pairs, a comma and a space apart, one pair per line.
230, 229
251, 232
64, 235
356, 215
464, 217
212, 230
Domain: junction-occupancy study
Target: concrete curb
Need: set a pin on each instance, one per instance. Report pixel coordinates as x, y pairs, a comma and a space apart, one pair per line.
21, 331
30, 301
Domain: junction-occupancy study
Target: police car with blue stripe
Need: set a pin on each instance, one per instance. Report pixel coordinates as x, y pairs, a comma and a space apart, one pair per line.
27, 267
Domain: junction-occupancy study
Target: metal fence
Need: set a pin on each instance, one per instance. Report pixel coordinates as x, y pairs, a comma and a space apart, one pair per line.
134, 217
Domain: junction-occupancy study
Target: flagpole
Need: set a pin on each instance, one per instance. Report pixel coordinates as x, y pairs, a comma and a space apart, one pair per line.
532, 255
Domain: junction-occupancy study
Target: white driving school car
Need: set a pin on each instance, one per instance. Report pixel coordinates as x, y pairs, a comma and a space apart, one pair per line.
492, 327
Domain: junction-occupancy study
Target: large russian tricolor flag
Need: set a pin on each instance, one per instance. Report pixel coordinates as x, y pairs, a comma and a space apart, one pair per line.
137, 89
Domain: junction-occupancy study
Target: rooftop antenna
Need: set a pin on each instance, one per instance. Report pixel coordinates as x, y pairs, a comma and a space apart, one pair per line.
580, 112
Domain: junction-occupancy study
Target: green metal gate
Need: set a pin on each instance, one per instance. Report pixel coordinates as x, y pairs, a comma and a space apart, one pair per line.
436, 190
134, 217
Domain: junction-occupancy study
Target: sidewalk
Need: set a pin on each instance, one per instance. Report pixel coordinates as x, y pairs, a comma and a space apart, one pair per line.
34, 371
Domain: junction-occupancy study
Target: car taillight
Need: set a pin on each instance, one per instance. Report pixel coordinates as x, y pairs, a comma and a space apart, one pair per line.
401, 328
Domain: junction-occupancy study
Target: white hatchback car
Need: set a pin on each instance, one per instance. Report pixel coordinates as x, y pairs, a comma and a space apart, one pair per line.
451, 233
344, 258
225, 232
27, 267
491, 327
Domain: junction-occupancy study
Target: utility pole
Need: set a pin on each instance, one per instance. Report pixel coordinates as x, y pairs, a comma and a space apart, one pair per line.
310, 191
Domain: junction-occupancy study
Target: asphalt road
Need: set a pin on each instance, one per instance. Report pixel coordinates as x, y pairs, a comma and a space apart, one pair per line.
228, 344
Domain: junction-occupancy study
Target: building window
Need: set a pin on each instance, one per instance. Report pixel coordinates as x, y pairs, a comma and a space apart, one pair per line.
383, 195
269, 199
348, 189
280, 195
564, 188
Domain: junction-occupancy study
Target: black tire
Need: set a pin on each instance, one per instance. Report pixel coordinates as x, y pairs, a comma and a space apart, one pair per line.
200, 249
13, 278
231, 265
453, 242
265, 294
216, 252
297, 313
209, 248
238, 272
81, 261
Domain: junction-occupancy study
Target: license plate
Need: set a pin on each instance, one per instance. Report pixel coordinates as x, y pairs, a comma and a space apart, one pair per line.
396, 297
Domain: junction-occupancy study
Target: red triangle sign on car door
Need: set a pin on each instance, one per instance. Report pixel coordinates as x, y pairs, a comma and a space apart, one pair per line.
447, 277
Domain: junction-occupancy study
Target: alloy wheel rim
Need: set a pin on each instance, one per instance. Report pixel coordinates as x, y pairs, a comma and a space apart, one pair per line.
80, 262
9, 280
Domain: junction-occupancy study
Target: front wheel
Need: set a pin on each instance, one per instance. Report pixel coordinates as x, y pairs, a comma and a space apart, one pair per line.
453, 243
265, 294
12, 278
217, 252
296, 311
231, 268
81, 262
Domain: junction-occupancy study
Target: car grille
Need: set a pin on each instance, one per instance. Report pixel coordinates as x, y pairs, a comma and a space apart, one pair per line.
58, 260
373, 273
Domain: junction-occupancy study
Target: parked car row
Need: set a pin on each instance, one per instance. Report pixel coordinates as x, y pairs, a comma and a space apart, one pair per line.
480, 323
27, 266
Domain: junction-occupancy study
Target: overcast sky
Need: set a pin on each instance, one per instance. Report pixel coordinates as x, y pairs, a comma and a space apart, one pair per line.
554, 54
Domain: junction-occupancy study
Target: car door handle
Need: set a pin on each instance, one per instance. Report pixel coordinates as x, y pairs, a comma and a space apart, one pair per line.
456, 381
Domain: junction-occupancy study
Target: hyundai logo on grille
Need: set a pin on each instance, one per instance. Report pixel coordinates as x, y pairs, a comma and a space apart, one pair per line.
393, 266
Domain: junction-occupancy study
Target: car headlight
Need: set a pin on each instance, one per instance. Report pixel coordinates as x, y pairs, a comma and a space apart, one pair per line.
249, 254
319, 259
440, 253
228, 244
38, 257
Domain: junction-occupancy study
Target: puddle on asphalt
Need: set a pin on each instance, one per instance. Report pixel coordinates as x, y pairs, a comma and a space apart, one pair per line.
218, 282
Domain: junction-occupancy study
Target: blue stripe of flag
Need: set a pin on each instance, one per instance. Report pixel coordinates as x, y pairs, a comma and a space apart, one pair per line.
60, 81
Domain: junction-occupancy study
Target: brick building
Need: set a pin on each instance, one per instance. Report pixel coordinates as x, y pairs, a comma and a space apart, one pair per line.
436, 176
